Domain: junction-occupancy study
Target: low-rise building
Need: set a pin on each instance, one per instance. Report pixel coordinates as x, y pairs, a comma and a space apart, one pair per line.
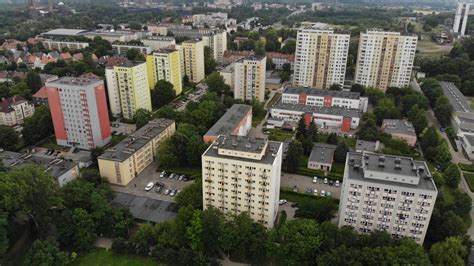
40, 97
400, 129
126, 160
158, 42
14, 110
321, 157
242, 174
369, 146
62, 170
60, 45
112, 36
387, 193
122, 49
230, 56
279, 60
236, 121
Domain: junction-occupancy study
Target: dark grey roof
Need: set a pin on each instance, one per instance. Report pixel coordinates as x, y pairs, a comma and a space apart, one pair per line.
407, 167
470, 138
137, 140
230, 120
394, 126
246, 144
64, 32
322, 93
73, 81
370, 146
455, 97
317, 109
322, 153
146, 209
466, 121
253, 57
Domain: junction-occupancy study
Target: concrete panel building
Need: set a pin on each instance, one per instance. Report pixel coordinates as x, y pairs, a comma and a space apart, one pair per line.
217, 41
122, 49
126, 160
60, 45
193, 51
386, 192
158, 42
236, 121
249, 78
79, 112
165, 64
400, 129
320, 57
460, 18
385, 59
242, 174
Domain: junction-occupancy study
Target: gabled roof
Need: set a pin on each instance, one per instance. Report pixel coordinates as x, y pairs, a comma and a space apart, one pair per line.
6, 104
41, 93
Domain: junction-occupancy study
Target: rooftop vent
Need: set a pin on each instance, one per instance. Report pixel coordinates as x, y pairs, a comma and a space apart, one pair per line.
398, 167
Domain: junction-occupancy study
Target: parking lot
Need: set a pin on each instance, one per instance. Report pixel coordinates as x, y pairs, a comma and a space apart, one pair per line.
303, 183
122, 128
137, 186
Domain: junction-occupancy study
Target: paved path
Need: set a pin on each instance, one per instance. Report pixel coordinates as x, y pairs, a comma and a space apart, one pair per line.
103, 242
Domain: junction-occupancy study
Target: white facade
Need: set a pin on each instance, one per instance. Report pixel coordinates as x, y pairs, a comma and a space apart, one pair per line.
243, 175
60, 45
385, 192
157, 42
460, 18
193, 51
385, 59
122, 49
321, 57
113, 92
249, 78
217, 41
15, 110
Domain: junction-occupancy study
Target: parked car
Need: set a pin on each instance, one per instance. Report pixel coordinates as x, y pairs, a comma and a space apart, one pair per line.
171, 176
283, 201
328, 194
149, 186
185, 178
309, 190
315, 192
323, 193
173, 192
162, 174
337, 183
167, 191
315, 179
181, 177
295, 205
325, 180
176, 176
331, 183
158, 189
295, 189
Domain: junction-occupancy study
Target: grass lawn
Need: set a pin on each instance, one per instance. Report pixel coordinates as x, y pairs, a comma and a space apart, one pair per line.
432, 49
470, 180
50, 143
351, 142
103, 257
277, 134
273, 100
466, 167
257, 119
192, 172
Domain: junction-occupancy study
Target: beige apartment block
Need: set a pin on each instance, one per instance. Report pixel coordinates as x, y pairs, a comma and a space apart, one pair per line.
194, 60
126, 160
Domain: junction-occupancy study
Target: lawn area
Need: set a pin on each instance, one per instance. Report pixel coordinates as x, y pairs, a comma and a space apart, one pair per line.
466, 167
351, 142
273, 100
470, 180
432, 49
103, 257
50, 143
277, 134
192, 172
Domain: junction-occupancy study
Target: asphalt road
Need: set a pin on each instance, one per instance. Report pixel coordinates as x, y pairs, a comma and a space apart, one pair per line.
303, 183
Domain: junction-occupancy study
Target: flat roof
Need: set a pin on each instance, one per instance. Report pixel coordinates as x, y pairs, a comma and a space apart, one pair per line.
466, 121
54, 166
125, 148
397, 126
455, 97
129, 63
369, 146
317, 109
252, 57
470, 138
358, 162
244, 144
74, 81
322, 153
322, 93
230, 120
64, 32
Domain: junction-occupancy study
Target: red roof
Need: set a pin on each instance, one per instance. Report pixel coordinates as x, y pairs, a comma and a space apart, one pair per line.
115, 60
290, 57
77, 56
89, 75
65, 56
42, 93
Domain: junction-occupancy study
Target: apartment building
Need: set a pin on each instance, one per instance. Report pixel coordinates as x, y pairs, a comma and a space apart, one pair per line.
460, 18
279, 60
217, 41
210, 19
122, 49
385, 59
194, 60
49, 44
400, 129
324, 98
79, 112
127, 88
386, 192
126, 160
165, 64
158, 42
113, 36
14, 110
236, 121
249, 78
321, 56
242, 174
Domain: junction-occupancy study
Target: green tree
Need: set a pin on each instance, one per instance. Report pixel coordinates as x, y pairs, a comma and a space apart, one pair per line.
21, 89
322, 209
191, 195
335, 87
289, 47
45, 253
385, 109
341, 152
134, 25
269, 64
212, 225
210, 63
9, 138
452, 175
358, 88
332, 139
195, 234
38, 126
295, 150
367, 128
216, 84
166, 155
441, 155
443, 111
374, 95
449, 252
33, 81
141, 117
417, 116
301, 129
430, 138
180, 142
297, 242
83, 228
162, 94
260, 47
3, 233
312, 132
194, 150
135, 55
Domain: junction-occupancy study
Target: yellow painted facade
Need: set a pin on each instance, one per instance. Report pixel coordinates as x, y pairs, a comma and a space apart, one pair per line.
194, 60
165, 64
